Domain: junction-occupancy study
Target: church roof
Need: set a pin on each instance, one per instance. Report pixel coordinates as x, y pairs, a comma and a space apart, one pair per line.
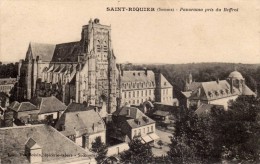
44, 51
67, 52
235, 75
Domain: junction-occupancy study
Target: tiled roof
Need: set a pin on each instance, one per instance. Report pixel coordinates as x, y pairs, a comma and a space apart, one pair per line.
81, 121
136, 76
48, 104
205, 109
50, 140
214, 90
247, 91
44, 51
161, 81
7, 81
135, 118
25, 106
187, 94
161, 113
67, 52
76, 107
193, 86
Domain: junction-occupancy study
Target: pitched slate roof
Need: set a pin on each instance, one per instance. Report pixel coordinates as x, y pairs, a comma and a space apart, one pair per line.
193, 86
67, 52
81, 121
48, 104
161, 113
205, 109
7, 81
247, 91
49, 139
76, 107
213, 90
44, 51
14, 105
26, 106
135, 118
161, 81
136, 76
21, 107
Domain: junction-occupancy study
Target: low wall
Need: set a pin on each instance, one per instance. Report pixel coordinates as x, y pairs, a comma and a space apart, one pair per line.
116, 149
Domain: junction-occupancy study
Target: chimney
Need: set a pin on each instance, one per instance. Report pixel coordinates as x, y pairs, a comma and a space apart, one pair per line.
218, 81
145, 71
95, 128
33, 151
199, 92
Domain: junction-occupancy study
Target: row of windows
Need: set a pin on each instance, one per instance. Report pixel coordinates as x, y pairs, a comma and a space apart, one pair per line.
138, 85
8, 87
165, 91
145, 131
167, 98
138, 93
138, 101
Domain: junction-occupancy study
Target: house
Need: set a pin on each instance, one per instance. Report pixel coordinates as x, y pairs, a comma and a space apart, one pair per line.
131, 122
24, 112
139, 86
163, 116
82, 126
38, 110
48, 107
40, 144
218, 92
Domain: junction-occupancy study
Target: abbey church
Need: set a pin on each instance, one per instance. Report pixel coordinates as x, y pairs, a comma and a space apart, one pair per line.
83, 72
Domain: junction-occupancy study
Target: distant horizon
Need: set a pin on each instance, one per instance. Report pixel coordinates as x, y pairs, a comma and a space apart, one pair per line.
140, 37
137, 63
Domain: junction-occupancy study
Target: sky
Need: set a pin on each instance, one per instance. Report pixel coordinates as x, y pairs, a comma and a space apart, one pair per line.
138, 37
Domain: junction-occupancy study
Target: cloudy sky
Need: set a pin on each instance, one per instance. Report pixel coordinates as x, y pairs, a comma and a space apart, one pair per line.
139, 37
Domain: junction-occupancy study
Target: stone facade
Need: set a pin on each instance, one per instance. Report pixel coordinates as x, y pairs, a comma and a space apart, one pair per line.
86, 72
83, 71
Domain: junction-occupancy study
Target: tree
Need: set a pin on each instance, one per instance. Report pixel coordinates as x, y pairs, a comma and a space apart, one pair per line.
238, 129
100, 148
182, 147
137, 153
192, 141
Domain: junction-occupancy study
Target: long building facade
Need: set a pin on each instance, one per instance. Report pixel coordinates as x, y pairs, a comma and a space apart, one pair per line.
82, 72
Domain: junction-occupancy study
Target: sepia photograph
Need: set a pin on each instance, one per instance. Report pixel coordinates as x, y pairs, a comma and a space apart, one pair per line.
129, 82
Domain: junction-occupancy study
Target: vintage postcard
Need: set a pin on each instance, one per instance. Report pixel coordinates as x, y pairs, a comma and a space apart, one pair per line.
127, 81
